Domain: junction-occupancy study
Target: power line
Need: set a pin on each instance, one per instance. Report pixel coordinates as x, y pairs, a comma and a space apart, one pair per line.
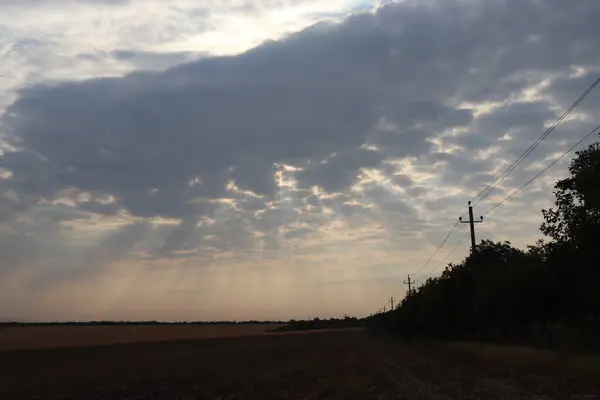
438, 249
472, 223
401, 296
486, 192
452, 252
454, 249
490, 188
597, 128
544, 170
409, 283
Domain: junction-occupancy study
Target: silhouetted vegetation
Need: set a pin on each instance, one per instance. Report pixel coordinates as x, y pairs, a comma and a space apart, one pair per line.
138, 323
547, 295
317, 324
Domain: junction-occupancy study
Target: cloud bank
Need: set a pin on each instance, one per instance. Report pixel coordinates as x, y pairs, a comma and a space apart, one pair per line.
342, 152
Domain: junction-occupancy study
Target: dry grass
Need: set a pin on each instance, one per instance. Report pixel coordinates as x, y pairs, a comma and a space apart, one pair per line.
529, 358
44, 337
322, 365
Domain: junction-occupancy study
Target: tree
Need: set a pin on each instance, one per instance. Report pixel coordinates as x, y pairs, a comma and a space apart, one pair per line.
501, 293
574, 227
577, 216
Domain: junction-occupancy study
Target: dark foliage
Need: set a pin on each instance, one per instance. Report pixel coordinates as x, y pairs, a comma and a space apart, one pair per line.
317, 324
137, 323
548, 295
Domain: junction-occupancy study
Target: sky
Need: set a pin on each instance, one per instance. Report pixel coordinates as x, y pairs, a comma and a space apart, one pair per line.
276, 159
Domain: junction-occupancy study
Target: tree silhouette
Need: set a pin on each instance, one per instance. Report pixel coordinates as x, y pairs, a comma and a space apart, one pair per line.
577, 216
545, 295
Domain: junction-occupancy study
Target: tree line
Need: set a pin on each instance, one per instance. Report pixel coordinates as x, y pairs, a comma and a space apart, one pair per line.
320, 324
139, 323
547, 295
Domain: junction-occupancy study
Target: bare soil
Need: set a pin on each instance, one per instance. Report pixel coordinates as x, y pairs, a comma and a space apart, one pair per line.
321, 365
45, 337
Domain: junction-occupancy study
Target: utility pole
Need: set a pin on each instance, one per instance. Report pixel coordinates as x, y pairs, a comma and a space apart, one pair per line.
472, 223
392, 303
409, 283
384, 309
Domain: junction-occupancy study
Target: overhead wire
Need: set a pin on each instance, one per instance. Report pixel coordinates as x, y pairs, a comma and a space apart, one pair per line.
487, 191
544, 170
438, 248
586, 136
453, 250
399, 298
450, 253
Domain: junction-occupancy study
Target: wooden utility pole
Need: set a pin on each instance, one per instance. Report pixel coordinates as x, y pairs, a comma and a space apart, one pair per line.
472, 223
409, 283
384, 309
392, 303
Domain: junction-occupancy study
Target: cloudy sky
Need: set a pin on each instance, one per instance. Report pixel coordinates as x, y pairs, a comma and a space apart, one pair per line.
270, 159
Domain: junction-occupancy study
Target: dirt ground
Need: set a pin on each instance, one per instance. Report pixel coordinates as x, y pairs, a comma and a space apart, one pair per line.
324, 365
43, 337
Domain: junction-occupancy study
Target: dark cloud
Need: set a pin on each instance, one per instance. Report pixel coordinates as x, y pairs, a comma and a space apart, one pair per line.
144, 60
567, 88
271, 219
417, 191
339, 171
387, 201
296, 233
62, 2
165, 143
403, 180
352, 210
522, 121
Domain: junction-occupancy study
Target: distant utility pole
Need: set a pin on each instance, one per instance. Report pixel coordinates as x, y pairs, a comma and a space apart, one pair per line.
392, 303
409, 283
472, 223
384, 309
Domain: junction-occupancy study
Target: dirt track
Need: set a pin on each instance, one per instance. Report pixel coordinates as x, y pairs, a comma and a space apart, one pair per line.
331, 365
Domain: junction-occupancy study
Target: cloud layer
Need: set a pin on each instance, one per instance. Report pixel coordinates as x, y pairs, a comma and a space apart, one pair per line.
350, 144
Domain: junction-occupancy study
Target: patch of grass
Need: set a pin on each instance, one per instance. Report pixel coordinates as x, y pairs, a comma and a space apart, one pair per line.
529, 357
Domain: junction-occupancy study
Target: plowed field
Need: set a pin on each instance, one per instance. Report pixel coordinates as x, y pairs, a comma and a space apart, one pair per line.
323, 365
